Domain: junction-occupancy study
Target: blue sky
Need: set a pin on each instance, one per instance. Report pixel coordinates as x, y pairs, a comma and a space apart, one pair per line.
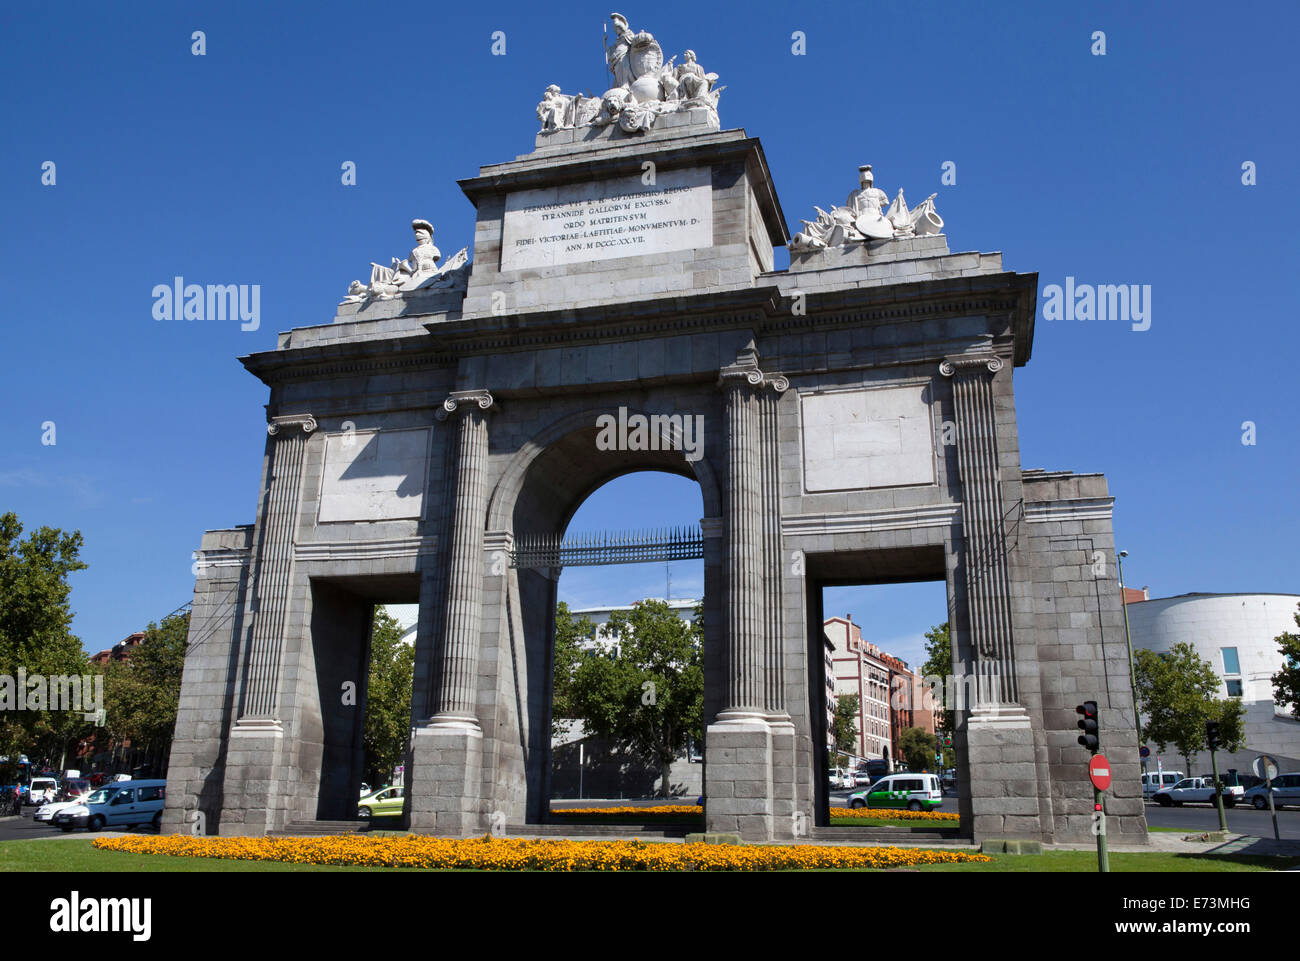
225, 168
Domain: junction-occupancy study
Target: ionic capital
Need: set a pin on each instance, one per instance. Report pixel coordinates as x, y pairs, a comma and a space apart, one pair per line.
306, 421
465, 399
751, 375
970, 363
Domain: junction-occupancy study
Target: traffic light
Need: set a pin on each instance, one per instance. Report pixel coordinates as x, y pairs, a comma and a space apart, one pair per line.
1212, 734
1088, 725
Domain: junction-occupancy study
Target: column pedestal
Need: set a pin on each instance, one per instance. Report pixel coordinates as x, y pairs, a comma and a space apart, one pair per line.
1003, 784
254, 801
446, 767
738, 776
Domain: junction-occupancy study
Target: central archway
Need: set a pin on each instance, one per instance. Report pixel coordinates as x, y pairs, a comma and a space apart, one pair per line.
542, 486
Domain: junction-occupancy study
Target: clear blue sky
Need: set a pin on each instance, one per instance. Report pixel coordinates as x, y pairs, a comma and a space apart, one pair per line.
226, 169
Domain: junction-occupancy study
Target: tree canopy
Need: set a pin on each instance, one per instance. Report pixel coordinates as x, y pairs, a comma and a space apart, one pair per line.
844, 727
1286, 682
644, 692
36, 626
1177, 694
387, 724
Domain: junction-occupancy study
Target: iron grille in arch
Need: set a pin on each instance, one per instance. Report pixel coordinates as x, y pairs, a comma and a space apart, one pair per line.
608, 547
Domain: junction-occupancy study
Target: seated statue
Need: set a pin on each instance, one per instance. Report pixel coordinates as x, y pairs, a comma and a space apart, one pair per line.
408, 274
555, 109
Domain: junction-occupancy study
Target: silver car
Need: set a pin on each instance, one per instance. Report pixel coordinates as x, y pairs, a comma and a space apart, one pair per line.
1286, 790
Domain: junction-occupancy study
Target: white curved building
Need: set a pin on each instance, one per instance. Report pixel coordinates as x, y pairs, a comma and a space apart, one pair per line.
1234, 633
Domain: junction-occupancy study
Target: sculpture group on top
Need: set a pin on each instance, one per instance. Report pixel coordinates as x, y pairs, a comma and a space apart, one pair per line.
861, 218
420, 272
645, 87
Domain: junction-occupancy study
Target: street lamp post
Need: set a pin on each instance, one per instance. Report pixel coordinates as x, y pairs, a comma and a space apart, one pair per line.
1132, 674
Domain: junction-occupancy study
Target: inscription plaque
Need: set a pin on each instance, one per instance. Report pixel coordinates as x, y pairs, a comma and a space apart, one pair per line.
576, 223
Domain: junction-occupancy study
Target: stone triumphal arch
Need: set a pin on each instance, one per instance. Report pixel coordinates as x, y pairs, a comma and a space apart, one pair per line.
856, 420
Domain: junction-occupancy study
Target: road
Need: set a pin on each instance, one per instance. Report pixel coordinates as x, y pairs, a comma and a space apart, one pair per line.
1241, 819
27, 828
1190, 818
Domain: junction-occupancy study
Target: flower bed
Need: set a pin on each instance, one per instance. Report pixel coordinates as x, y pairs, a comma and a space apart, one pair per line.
681, 813
892, 814
519, 854
644, 813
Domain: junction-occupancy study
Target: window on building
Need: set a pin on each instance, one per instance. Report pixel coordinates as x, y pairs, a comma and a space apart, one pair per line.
1234, 687
1231, 665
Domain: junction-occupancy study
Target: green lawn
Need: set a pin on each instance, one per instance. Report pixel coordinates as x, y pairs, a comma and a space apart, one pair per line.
885, 821
1121, 861
76, 855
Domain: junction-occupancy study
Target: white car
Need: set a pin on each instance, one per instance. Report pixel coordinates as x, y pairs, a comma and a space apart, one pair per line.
841, 780
47, 811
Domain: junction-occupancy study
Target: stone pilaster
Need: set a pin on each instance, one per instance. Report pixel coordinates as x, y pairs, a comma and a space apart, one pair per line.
447, 750
750, 746
997, 731
984, 547
254, 799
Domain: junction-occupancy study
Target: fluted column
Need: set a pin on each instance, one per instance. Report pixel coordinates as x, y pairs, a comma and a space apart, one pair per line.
773, 571
274, 564
456, 687
752, 569
984, 552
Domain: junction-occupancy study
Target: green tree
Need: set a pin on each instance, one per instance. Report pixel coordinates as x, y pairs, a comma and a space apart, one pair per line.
844, 723
141, 694
386, 729
570, 632
647, 694
1286, 682
917, 747
1176, 692
35, 626
938, 664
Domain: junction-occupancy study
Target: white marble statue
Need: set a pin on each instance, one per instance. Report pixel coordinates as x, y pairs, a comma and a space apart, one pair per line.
419, 272
555, 110
861, 219
645, 87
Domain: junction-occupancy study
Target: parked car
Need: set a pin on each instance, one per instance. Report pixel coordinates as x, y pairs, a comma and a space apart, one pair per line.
1153, 781
1195, 790
841, 780
864, 777
1286, 790
386, 802
915, 792
41, 790
74, 789
47, 811
125, 803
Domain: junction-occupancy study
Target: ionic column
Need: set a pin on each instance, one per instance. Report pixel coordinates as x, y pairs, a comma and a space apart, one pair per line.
286, 453
752, 569
984, 552
456, 687
773, 572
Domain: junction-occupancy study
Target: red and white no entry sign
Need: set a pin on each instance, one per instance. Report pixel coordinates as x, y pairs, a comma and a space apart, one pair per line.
1099, 772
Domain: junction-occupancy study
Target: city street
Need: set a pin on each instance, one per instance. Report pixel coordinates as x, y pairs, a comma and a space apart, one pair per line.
1241, 819
27, 828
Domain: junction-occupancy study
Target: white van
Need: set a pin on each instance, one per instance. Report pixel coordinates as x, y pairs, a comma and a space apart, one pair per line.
913, 791
42, 790
120, 804
1154, 781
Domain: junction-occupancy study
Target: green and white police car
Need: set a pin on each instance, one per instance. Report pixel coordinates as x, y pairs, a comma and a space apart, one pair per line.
915, 792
